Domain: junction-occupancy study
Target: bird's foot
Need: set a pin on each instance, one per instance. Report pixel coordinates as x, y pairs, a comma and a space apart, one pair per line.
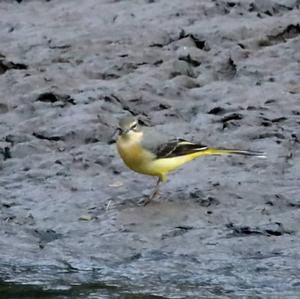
146, 200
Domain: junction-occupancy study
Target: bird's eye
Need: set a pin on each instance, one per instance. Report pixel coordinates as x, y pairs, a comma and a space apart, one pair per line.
134, 126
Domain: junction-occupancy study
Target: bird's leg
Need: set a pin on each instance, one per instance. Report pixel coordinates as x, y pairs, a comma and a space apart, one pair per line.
152, 195
156, 190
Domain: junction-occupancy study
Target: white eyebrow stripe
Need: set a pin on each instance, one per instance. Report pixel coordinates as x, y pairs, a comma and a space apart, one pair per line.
133, 124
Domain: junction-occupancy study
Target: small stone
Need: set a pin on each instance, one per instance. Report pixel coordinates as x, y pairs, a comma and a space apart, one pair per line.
116, 184
87, 217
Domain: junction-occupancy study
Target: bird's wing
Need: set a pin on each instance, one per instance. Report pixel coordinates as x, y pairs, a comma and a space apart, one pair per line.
178, 147
163, 147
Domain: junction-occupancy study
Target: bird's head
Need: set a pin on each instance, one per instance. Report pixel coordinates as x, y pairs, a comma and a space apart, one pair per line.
128, 125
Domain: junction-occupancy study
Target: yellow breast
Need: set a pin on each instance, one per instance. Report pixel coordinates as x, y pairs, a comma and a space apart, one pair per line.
134, 156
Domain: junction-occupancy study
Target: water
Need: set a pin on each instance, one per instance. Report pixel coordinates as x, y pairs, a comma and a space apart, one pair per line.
85, 291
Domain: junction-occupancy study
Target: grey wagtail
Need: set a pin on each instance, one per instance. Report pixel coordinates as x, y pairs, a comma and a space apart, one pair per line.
147, 151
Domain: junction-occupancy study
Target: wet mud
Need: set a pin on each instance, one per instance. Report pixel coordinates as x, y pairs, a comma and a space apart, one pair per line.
224, 73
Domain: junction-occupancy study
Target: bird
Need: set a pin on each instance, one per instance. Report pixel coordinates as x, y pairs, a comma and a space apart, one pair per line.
149, 152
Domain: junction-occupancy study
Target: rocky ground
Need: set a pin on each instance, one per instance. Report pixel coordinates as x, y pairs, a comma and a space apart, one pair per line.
225, 73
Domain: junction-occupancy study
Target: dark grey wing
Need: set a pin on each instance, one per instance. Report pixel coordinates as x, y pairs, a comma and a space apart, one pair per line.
178, 147
163, 147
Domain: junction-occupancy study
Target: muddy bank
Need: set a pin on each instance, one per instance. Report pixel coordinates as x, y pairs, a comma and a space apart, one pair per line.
223, 73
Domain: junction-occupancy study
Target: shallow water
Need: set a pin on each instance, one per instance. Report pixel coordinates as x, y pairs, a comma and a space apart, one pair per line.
84, 291
158, 276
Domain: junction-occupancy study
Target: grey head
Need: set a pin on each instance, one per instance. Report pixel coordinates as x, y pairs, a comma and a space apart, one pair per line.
128, 124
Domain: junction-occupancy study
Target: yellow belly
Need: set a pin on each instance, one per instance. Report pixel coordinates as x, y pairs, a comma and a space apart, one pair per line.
135, 157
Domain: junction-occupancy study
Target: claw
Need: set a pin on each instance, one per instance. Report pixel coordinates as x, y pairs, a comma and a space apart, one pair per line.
145, 201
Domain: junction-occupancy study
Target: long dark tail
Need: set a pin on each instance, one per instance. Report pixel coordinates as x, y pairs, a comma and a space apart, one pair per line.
221, 151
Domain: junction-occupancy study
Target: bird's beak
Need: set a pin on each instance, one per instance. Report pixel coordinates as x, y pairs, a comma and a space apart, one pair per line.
124, 132
117, 131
